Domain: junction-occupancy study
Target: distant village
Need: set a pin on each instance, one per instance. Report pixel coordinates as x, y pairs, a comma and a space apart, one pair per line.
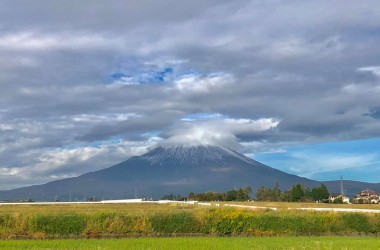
364, 197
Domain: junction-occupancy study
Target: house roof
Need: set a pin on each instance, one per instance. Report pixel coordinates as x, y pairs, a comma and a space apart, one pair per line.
368, 192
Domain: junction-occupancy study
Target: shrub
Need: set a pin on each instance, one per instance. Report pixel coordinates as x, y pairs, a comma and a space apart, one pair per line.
174, 223
356, 222
58, 224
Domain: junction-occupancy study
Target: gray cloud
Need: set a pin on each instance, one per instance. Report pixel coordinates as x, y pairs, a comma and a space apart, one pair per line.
374, 112
311, 66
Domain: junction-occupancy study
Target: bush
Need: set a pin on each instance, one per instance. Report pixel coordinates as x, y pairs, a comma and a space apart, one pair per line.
174, 223
356, 223
58, 224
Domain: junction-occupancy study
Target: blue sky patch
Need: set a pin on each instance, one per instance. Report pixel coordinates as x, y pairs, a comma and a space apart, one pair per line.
201, 116
143, 77
355, 160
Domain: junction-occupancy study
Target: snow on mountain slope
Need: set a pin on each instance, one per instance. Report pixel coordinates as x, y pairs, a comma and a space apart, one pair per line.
192, 155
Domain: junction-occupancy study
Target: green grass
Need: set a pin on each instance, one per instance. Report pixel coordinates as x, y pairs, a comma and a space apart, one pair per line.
143, 220
232, 243
158, 208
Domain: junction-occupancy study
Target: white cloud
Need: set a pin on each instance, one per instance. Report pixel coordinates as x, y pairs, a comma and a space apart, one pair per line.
6, 127
165, 61
375, 70
248, 125
45, 165
125, 80
9, 171
218, 131
57, 158
103, 118
203, 84
29, 40
203, 135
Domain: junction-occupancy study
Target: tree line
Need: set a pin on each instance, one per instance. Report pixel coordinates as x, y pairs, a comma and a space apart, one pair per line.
241, 194
298, 193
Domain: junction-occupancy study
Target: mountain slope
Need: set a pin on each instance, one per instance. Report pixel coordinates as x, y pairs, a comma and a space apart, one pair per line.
178, 170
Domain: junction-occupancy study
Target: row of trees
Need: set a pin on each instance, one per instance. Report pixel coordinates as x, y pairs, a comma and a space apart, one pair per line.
295, 194
241, 194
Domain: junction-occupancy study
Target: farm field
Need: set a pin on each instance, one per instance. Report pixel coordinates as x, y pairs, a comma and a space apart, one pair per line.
160, 220
139, 208
132, 208
200, 243
286, 205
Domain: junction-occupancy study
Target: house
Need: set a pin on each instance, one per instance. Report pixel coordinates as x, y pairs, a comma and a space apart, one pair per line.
338, 198
367, 197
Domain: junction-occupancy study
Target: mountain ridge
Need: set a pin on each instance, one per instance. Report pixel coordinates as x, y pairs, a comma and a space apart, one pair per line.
163, 170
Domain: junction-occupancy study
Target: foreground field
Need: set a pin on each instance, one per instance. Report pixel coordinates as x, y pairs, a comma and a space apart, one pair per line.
131, 220
129, 208
200, 243
161, 208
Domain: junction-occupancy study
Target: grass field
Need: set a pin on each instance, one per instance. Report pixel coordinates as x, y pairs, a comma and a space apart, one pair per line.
161, 208
99, 208
229, 243
131, 220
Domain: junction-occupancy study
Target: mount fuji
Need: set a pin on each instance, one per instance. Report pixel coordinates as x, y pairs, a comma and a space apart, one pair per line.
163, 170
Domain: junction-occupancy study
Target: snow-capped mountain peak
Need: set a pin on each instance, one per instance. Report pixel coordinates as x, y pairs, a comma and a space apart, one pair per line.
192, 155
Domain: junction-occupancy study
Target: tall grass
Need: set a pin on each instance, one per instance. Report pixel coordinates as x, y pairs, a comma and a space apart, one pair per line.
210, 221
241, 222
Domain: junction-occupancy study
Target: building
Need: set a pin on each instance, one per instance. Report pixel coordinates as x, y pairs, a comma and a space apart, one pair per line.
338, 198
367, 197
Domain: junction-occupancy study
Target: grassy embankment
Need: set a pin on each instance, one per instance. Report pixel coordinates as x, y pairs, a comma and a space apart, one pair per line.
236, 243
123, 220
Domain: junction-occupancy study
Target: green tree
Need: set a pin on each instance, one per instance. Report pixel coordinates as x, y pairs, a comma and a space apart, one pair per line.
242, 195
320, 193
277, 192
262, 193
269, 194
297, 193
231, 195
248, 191
286, 196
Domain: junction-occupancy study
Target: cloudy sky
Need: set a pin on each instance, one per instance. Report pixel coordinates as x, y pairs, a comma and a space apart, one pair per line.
87, 84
